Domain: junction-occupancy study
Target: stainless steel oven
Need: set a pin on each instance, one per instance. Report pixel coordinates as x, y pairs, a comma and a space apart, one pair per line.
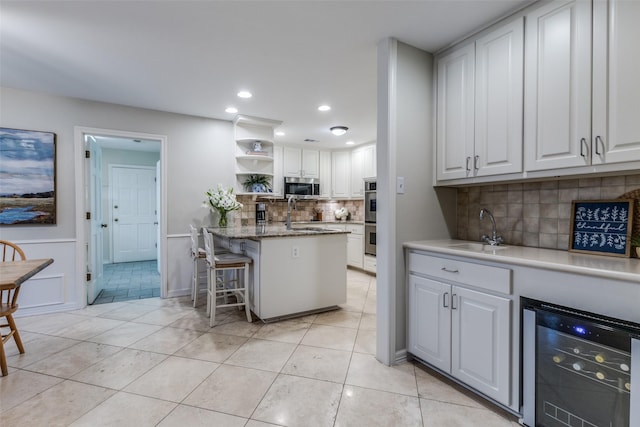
370, 239
370, 201
578, 368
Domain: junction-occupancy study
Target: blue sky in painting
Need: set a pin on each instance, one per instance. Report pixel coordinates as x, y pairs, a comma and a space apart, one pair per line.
26, 161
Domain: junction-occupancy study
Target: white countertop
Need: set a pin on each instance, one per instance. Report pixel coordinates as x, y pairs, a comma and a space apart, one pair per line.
618, 268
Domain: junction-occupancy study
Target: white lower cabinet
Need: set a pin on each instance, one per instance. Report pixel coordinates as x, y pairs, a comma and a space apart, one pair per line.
355, 245
461, 331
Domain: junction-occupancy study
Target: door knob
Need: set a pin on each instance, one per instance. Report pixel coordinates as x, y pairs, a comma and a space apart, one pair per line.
103, 225
116, 220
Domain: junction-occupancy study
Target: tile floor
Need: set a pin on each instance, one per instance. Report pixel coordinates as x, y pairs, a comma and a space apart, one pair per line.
129, 281
156, 362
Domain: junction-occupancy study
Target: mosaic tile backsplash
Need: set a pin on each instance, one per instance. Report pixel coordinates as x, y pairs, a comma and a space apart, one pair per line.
306, 210
535, 214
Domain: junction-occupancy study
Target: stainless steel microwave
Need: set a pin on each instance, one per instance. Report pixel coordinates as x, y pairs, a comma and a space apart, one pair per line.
302, 188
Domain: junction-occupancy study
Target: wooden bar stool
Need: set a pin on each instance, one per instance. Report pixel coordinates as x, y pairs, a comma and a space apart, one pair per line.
197, 255
221, 287
9, 304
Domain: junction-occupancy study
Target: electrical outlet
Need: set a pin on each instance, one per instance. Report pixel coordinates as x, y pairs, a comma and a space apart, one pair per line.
295, 252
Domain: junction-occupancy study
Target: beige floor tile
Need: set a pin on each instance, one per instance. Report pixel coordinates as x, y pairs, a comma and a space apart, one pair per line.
256, 423
98, 309
370, 305
74, 359
187, 416
341, 318
433, 387
354, 304
163, 316
439, 414
88, 327
59, 405
120, 369
195, 321
262, 354
373, 408
232, 390
366, 342
166, 340
212, 347
124, 410
126, 334
366, 371
38, 348
49, 324
128, 312
241, 328
318, 363
19, 386
290, 331
173, 379
368, 321
296, 401
330, 337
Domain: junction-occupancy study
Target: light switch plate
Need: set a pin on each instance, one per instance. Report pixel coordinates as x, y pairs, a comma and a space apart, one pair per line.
400, 185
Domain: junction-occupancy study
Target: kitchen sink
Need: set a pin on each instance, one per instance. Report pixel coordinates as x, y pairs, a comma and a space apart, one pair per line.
477, 247
309, 229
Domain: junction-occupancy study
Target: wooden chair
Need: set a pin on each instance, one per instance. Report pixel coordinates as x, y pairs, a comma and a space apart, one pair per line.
220, 287
9, 303
197, 255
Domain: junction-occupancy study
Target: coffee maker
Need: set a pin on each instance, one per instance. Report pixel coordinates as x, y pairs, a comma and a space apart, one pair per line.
261, 213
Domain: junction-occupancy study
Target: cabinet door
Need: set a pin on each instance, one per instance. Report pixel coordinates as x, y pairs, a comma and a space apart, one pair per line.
557, 109
429, 328
355, 250
369, 162
325, 174
340, 165
292, 161
310, 163
357, 183
480, 336
616, 81
498, 100
277, 185
454, 117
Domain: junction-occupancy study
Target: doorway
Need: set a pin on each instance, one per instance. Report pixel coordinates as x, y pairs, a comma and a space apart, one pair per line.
124, 229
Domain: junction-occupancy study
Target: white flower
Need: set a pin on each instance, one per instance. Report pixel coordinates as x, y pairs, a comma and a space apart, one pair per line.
221, 199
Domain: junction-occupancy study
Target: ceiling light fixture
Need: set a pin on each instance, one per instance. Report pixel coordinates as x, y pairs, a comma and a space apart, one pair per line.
324, 108
349, 143
244, 94
231, 110
280, 133
339, 130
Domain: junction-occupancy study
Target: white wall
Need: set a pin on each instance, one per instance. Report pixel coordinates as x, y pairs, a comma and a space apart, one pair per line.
200, 153
405, 148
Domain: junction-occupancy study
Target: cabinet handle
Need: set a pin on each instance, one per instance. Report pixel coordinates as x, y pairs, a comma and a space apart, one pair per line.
583, 142
449, 271
453, 300
467, 167
601, 142
475, 162
445, 300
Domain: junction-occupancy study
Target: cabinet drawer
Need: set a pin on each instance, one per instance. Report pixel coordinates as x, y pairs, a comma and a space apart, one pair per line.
481, 276
355, 228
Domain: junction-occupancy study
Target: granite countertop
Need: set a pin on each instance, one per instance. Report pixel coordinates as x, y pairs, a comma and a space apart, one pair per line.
349, 221
609, 267
258, 232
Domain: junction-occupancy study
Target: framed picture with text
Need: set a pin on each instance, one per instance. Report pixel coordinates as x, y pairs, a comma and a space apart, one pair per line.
601, 227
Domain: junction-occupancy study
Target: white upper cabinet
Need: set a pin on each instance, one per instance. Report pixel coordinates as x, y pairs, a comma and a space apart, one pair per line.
300, 162
616, 81
278, 176
325, 174
454, 119
479, 106
369, 159
558, 86
340, 174
357, 163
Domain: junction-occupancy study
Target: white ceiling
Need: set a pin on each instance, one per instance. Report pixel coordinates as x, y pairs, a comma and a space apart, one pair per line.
192, 57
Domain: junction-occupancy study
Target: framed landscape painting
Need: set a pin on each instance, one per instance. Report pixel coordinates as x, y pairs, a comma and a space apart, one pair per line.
27, 177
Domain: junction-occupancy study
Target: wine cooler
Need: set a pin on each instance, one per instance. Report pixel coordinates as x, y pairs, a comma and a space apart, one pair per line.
577, 368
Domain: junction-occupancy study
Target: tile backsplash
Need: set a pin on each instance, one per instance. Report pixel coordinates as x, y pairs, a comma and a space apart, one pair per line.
535, 214
305, 210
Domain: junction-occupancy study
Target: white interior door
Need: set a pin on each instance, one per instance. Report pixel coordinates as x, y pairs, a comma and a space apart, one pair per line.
134, 213
158, 210
93, 200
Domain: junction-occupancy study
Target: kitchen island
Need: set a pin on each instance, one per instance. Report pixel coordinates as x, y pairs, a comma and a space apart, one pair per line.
294, 272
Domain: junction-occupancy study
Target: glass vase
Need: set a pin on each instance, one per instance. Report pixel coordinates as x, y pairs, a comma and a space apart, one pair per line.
222, 221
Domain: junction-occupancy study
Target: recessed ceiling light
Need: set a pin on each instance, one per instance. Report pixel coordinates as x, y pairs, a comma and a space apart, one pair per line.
244, 94
324, 108
339, 130
280, 133
232, 110
349, 143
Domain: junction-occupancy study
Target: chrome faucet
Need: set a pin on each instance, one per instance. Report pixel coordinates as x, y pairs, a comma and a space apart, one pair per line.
494, 240
291, 199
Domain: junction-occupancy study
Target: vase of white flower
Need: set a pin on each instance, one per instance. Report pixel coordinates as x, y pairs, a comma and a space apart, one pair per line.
223, 201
